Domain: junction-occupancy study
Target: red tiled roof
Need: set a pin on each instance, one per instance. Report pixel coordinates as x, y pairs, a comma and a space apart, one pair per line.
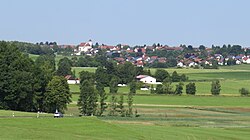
84, 44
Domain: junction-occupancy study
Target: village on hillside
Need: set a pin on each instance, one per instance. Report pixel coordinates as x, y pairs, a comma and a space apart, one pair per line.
162, 56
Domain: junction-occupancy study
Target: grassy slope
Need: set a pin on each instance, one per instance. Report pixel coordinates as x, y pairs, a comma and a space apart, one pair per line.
94, 129
182, 133
66, 128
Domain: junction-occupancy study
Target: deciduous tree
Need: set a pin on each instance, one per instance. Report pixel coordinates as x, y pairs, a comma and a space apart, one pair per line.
57, 94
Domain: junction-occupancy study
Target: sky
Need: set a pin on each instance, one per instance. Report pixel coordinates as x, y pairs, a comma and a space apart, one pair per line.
132, 22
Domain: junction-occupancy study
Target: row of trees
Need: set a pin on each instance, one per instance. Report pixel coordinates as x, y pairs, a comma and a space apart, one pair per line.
162, 75
92, 100
167, 88
26, 85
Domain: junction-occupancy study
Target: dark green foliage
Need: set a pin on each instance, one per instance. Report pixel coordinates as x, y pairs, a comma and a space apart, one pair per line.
113, 86
152, 90
32, 48
113, 106
88, 61
120, 106
16, 79
183, 78
44, 71
175, 77
159, 89
101, 76
165, 88
126, 72
111, 68
139, 71
191, 89
88, 98
64, 67
202, 47
168, 88
215, 87
57, 95
130, 105
161, 74
132, 87
85, 75
102, 98
244, 92
179, 88
46, 62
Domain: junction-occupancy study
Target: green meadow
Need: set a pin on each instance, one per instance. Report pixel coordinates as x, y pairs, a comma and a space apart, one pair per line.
161, 117
231, 79
95, 129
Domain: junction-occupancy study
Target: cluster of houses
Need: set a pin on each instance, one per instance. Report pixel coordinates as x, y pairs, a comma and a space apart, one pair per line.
139, 55
194, 60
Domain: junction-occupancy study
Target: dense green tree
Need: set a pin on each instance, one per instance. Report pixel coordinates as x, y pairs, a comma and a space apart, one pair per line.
161, 74
120, 106
215, 87
102, 98
139, 71
132, 87
202, 47
46, 62
113, 86
159, 89
74, 61
101, 76
88, 98
130, 105
111, 68
183, 78
175, 77
57, 94
16, 79
126, 72
179, 88
168, 88
113, 106
85, 75
244, 91
64, 67
43, 71
191, 88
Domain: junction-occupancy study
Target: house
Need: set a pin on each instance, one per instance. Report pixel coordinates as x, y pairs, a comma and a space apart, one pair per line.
147, 79
71, 80
180, 65
246, 60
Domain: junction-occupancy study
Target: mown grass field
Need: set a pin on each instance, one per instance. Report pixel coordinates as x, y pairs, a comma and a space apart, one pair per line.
154, 123
218, 101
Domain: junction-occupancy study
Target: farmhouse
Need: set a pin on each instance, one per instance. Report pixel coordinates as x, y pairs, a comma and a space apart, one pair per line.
147, 79
72, 80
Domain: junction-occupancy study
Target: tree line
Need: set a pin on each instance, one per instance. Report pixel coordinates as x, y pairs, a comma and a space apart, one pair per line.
93, 98
27, 85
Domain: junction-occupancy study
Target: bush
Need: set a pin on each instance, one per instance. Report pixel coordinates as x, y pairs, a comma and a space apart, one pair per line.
215, 87
244, 91
191, 88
